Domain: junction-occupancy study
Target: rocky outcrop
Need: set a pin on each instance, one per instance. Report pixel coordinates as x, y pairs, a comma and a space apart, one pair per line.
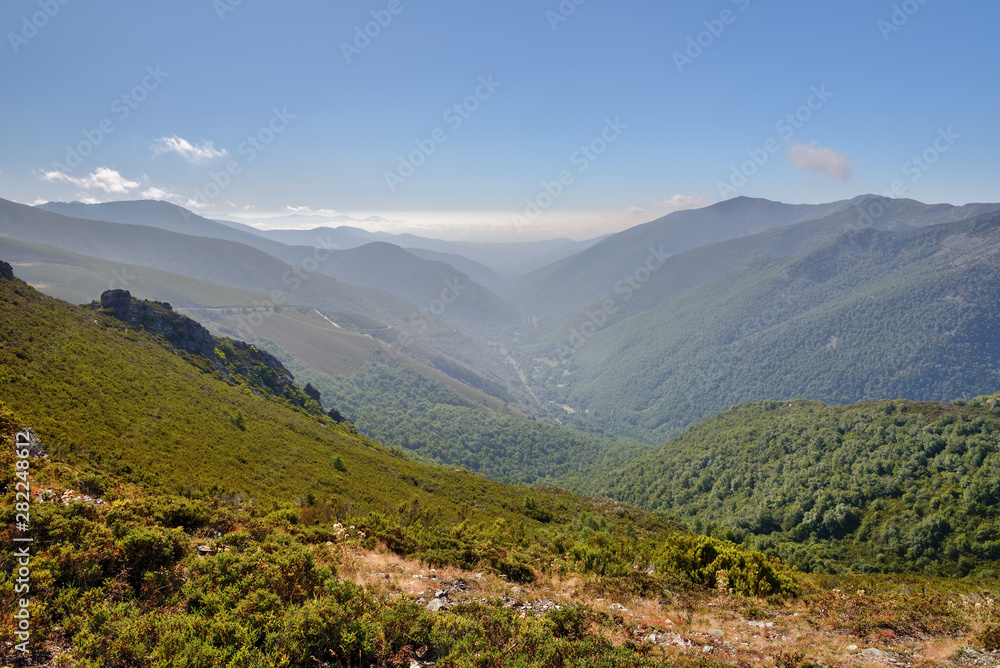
6, 271
158, 318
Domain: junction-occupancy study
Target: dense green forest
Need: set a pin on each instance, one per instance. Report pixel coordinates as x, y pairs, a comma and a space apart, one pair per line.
398, 406
889, 486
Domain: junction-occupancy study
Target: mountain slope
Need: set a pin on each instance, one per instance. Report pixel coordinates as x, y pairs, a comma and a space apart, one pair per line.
170, 217
440, 289
375, 265
78, 278
565, 287
477, 271
871, 314
105, 394
324, 347
885, 486
509, 260
214, 260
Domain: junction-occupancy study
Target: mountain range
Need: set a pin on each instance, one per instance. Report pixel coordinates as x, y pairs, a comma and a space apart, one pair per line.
628, 339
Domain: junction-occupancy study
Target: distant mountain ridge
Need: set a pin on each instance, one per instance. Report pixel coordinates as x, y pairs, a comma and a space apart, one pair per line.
369, 264
566, 286
210, 259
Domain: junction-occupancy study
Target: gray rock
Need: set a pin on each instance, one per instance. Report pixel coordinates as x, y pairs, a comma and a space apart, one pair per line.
27, 440
872, 653
717, 633
852, 648
6, 271
437, 605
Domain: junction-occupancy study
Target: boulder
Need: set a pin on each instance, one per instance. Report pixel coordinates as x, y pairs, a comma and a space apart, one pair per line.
437, 605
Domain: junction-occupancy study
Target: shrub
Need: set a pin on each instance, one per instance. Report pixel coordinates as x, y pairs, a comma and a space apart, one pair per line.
570, 621
699, 559
989, 638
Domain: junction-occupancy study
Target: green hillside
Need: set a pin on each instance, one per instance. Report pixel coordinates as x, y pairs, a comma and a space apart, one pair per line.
213, 539
79, 279
340, 345
889, 486
397, 400
869, 315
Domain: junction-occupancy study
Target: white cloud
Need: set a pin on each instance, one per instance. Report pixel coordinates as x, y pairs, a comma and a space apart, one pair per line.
103, 178
636, 211
681, 202
196, 154
157, 193
815, 158
305, 210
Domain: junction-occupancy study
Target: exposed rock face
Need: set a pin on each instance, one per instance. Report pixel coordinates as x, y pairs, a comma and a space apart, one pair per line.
313, 393
6, 271
182, 332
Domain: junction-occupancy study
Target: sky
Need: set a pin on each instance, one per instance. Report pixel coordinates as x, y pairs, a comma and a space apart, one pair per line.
494, 120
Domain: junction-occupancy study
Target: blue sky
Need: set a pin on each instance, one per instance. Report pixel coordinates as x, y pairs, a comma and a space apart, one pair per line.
330, 123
